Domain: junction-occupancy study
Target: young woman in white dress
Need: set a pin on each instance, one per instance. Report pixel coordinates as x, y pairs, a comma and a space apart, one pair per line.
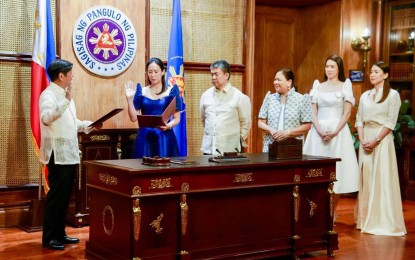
379, 210
332, 102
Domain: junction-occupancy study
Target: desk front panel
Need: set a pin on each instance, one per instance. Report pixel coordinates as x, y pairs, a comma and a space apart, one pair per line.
204, 176
216, 211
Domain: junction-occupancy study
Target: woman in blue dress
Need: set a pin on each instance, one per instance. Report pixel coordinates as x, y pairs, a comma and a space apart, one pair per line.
153, 100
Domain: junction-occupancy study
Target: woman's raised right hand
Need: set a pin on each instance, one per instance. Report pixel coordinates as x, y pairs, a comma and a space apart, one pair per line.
129, 89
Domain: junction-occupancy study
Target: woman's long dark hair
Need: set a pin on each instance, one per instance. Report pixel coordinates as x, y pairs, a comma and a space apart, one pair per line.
386, 85
161, 65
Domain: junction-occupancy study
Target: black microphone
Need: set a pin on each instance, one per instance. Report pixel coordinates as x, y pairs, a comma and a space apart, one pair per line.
217, 150
236, 149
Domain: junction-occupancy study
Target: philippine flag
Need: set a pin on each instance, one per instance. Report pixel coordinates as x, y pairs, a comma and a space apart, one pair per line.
43, 54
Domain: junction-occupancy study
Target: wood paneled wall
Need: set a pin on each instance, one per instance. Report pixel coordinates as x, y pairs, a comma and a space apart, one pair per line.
309, 35
95, 95
302, 39
318, 37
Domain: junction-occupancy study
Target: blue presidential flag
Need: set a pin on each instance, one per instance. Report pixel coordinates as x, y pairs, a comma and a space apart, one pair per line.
175, 72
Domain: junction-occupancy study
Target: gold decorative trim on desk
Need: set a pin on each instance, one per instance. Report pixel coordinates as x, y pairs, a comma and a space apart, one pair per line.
132, 136
296, 237
108, 179
243, 177
97, 138
331, 198
184, 252
185, 187
296, 201
160, 183
333, 176
136, 190
184, 210
313, 207
80, 175
156, 224
137, 219
314, 173
297, 178
119, 150
108, 210
81, 161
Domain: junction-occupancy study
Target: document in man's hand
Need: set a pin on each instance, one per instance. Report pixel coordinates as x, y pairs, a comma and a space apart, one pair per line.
154, 120
106, 117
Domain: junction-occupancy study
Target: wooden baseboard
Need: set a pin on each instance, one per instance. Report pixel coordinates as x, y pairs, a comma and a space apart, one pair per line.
34, 218
13, 216
15, 203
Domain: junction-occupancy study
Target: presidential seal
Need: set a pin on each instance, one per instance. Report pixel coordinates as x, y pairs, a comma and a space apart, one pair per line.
104, 41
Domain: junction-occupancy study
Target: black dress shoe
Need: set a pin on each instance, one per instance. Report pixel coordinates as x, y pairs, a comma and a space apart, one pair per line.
54, 245
69, 240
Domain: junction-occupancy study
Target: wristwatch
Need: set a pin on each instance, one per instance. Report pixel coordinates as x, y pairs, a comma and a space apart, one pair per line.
378, 140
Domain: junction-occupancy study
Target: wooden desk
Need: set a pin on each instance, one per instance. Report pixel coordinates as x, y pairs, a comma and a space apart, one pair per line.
239, 210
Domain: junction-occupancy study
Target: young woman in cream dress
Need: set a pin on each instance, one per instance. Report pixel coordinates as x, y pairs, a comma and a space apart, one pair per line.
379, 210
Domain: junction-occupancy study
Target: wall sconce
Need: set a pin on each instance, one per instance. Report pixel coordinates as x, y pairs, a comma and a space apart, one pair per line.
411, 40
362, 44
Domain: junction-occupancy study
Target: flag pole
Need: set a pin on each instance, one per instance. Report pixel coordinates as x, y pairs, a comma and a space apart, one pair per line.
39, 190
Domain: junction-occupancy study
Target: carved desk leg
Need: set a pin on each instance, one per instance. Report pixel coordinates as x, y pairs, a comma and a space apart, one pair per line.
332, 237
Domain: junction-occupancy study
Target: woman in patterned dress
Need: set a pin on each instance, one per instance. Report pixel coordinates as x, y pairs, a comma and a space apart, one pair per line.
285, 113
